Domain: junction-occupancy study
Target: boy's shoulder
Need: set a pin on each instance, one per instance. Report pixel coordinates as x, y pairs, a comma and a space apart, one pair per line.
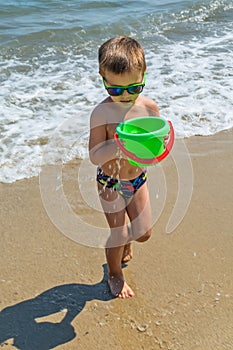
104, 113
97, 111
148, 103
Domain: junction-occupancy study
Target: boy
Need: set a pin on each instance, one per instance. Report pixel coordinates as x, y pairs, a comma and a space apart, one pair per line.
122, 186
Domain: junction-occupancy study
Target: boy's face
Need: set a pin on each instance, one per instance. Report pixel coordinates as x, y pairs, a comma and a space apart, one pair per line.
125, 79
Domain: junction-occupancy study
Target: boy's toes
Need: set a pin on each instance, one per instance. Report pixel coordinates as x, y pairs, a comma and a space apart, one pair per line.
119, 288
126, 292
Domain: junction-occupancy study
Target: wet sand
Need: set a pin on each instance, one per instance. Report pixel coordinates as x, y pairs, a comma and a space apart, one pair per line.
54, 292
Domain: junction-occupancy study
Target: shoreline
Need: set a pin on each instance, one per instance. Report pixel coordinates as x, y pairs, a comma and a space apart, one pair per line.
184, 138
182, 281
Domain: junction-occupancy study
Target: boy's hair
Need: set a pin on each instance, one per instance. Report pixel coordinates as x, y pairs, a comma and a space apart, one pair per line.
120, 55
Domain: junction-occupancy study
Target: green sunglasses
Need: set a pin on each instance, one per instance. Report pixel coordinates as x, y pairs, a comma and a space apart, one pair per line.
131, 89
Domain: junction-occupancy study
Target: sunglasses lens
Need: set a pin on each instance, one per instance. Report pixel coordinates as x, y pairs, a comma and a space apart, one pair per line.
115, 91
135, 89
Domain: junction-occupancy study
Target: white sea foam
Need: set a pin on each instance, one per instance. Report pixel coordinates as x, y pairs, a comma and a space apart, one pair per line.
193, 85
34, 105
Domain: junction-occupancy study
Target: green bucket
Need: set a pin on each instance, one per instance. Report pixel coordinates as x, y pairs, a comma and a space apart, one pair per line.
142, 139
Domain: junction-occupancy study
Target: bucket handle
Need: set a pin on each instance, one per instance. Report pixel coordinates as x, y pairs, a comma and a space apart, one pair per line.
149, 161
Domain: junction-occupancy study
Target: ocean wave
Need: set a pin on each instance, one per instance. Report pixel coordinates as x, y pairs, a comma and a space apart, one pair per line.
202, 12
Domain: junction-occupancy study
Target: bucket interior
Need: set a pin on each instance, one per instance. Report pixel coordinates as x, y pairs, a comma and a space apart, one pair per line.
144, 128
144, 136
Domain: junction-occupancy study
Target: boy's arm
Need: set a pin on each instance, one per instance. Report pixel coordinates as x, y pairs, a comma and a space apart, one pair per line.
101, 150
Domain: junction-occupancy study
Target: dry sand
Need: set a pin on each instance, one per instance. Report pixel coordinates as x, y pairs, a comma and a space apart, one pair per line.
54, 292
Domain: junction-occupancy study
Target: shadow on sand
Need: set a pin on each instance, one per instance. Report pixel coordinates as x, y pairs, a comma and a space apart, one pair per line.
19, 321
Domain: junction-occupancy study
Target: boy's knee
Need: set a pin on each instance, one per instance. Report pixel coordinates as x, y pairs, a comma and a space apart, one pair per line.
145, 237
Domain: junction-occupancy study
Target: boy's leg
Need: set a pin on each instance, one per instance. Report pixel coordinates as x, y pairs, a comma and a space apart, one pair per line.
139, 212
114, 209
138, 205
127, 253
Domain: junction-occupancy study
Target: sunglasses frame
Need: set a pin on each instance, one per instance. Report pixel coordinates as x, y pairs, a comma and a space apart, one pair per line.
123, 88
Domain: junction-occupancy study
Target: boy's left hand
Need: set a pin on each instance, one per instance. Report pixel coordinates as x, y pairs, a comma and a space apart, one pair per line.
166, 139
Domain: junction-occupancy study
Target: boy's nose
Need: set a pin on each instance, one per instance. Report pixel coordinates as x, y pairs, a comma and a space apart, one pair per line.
125, 93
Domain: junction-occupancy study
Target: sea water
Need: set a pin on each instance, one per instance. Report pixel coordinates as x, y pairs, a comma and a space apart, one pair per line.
49, 72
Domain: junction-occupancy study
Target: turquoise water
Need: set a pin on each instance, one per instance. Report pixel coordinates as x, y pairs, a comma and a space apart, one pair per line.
49, 71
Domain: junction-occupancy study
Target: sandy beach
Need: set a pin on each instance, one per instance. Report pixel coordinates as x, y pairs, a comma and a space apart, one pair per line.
54, 292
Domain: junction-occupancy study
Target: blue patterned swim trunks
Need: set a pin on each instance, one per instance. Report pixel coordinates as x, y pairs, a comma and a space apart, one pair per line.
127, 188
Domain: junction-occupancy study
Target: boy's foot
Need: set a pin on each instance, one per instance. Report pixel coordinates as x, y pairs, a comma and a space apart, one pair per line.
119, 288
127, 253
